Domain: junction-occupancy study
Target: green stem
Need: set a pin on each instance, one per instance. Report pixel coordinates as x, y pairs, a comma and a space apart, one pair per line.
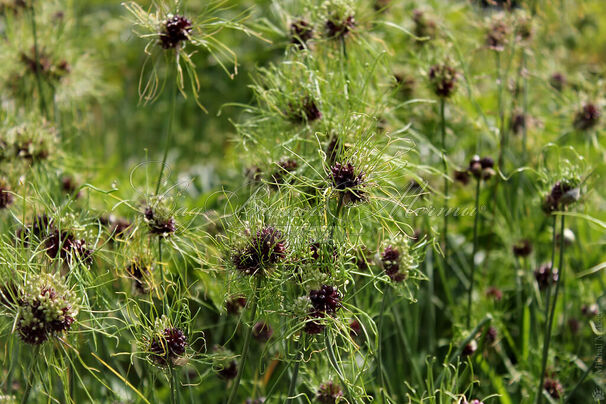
474, 251
173, 387
502, 134
547, 336
246, 346
43, 107
293, 381
169, 127
525, 106
379, 348
445, 165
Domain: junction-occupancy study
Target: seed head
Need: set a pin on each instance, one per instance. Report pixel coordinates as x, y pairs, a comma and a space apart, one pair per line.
306, 110
558, 81
470, 348
481, 168
235, 305
553, 387
313, 324
6, 196
443, 80
229, 371
423, 27
461, 176
46, 309
165, 349
518, 122
546, 276
161, 225
522, 248
284, 167
336, 28
262, 331
497, 34
329, 393
587, 117
300, 32
175, 31
345, 180
264, 249
327, 299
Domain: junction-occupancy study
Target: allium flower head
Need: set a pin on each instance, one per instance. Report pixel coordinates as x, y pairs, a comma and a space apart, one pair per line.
329, 393
262, 331
423, 26
350, 182
284, 167
168, 29
470, 348
301, 32
46, 308
587, 117
235, 304
175, 31
339, 18
553, 387
557, 81
304, 110
497, 33
263, 249
481, 168
443, 79
167, 347
327, 299
562, 194
522, 248
159, 220
6, 195
546, 276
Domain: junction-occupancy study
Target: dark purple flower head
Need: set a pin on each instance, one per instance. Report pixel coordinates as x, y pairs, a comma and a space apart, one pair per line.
562, 194
553, 387
167, 348
470, 348
6, 196
329, 393
497, 35
481, 168
323, 251
162, 226
229, 371
235, 305
345, 179
491, 334
390, 258
264, 249
461, 176
67, 246
546, 276
336, 29
284, 167
494, 293
44, 310
327, 299
443, 80
590, 310
313, 325
305, 110
300, 32
587, 117
262, 331
518, 122
176, 30
522, 248
557, 81
355, 329
423, 27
